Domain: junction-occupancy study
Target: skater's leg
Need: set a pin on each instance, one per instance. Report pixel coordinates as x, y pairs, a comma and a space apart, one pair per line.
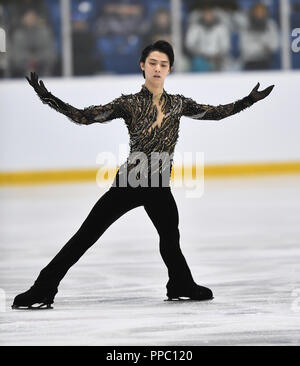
113, 204
162, 210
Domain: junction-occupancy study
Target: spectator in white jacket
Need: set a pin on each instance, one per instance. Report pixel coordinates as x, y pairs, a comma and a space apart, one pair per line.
208, 42
259, 39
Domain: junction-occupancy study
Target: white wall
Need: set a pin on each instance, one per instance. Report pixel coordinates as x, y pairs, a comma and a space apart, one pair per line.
33, 136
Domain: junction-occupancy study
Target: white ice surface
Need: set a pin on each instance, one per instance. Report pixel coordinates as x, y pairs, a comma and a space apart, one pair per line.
241, 239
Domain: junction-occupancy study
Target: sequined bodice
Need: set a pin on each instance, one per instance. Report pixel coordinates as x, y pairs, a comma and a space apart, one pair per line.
153, 126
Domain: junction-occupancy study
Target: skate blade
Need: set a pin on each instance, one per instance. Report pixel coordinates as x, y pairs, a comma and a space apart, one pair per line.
32, 307
183, 299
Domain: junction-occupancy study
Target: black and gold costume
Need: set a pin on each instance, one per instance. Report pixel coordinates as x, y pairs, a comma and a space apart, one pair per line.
153, 128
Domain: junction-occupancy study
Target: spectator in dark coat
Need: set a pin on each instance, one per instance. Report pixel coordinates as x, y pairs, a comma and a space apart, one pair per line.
32, 47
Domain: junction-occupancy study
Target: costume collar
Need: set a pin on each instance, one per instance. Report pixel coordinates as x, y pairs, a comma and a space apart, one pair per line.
146, 91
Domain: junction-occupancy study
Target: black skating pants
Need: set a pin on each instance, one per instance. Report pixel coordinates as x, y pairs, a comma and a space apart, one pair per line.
160, 206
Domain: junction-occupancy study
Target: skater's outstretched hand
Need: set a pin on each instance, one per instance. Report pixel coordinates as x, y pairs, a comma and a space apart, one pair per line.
256, 95
39, 87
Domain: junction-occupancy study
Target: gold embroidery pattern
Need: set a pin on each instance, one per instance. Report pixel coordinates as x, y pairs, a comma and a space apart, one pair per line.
153, 126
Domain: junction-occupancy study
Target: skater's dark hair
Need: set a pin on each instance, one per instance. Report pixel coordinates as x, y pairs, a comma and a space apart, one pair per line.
161, 46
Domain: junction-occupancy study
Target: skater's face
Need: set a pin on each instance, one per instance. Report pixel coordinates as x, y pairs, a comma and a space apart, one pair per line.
156, 67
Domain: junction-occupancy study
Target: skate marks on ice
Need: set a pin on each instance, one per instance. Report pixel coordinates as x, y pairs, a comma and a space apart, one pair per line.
240, 239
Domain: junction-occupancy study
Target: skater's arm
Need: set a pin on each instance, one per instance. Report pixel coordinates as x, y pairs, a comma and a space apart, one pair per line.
192, 109
92, 114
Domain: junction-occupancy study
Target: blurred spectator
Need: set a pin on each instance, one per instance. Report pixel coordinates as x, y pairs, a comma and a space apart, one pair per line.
84, 49
259, 39
208, 41
232, 15
16, 9
121, 19
32, 46
160, 27
3, 57
120, 29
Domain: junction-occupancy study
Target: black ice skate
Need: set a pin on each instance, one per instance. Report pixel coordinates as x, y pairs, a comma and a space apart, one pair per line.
35, 299
197, 293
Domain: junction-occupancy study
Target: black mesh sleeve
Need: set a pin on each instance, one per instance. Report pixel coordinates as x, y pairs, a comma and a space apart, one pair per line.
92, 114
192, 109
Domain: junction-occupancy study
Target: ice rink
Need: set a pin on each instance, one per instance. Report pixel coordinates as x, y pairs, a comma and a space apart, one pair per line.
241, 239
